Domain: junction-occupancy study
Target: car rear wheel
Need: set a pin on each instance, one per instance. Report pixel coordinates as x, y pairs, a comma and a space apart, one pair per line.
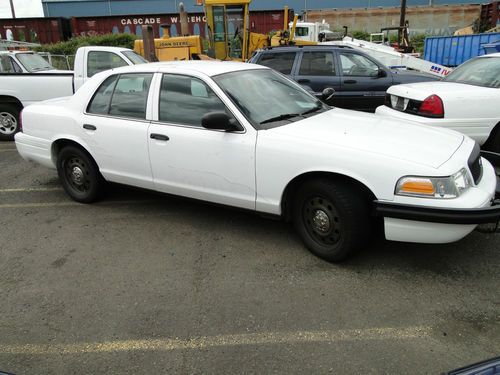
79, 174
9, 121
331, 218
495, 142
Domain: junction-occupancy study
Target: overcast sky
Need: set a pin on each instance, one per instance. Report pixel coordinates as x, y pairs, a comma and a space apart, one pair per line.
23, 8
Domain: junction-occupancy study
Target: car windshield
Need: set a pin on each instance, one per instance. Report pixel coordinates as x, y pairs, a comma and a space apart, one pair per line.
484, 71
135, 58
33, 62
265, 96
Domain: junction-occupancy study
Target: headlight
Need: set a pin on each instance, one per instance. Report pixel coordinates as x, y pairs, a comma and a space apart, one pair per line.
434, 187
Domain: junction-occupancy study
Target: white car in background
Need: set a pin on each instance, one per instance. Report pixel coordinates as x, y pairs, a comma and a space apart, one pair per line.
244, 135
467, 100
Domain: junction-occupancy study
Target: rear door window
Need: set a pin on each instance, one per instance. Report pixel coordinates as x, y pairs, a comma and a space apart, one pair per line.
131, 95
281, 62
124, 95
317, 64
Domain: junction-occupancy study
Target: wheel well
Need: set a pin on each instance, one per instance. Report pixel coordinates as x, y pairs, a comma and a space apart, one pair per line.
58, 145
489, 142
291, 188
12, 100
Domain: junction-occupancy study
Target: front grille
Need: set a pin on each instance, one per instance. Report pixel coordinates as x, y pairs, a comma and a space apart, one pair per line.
475, 165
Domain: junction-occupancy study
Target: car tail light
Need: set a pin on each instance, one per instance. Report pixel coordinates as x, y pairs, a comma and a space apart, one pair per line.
432, 106
387, 100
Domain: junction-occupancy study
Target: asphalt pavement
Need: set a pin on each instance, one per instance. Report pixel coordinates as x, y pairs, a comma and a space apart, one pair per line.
145, 283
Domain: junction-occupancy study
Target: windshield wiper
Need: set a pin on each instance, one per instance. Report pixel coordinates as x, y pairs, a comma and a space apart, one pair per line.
284, 116
318, 106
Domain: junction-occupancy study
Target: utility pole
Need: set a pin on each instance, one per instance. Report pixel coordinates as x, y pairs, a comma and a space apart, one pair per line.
402, 20
12, 9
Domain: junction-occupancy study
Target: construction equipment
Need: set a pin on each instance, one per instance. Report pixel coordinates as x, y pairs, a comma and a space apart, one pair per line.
167, 48
229, 35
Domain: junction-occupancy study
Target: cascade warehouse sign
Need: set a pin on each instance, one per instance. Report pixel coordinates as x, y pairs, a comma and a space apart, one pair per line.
157, 20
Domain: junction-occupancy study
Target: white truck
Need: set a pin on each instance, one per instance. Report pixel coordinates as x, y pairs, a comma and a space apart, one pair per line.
314, 32
26, 78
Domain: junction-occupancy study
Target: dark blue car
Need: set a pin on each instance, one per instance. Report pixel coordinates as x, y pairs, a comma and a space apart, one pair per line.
359, 80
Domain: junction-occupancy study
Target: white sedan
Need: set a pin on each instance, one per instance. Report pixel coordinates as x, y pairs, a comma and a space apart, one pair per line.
246, 136
467, 100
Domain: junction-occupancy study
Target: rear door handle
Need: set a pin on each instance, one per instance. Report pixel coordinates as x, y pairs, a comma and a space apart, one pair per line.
159, 137
350, 81
304, 81
89, 127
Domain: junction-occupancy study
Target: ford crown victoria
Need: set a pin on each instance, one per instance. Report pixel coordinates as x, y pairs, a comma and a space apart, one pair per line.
246, 136
465, 101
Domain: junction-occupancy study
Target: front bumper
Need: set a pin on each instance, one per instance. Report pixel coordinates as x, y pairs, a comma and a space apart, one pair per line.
432, 224
483, 215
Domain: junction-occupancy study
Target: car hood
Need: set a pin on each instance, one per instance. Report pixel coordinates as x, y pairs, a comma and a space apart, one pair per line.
374, 134
420, 91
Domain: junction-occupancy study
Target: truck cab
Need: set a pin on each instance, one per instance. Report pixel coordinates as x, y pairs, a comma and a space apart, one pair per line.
23, 62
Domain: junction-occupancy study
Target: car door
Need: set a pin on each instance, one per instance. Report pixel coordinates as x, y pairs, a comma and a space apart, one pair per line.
189, 160
363, 83
115, 128
317, 71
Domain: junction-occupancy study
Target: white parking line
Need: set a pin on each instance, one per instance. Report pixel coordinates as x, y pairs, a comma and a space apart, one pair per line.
167, 345
7, 149
21, 190
69, 204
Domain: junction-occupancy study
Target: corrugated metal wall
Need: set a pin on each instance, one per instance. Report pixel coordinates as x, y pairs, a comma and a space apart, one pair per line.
81, 8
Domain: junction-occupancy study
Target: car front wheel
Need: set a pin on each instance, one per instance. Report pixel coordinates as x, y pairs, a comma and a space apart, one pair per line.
79, 174
332, 218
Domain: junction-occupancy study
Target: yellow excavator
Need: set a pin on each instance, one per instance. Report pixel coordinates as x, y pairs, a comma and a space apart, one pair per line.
228, 31
229, 37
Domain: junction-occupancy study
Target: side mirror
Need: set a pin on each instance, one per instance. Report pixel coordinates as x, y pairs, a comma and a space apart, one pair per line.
381, 73
218, 121
327, 93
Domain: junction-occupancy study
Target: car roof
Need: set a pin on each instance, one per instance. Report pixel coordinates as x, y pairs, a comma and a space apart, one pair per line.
491, 55
14, 52
106, 48
207, 67
307, 47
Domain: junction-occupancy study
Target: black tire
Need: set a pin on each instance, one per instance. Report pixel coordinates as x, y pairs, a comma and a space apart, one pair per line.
79, 174
332, 218
9, 121
495, 141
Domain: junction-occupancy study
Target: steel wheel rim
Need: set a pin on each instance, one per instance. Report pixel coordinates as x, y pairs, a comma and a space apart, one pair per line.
8, 123
322, 220
77, 174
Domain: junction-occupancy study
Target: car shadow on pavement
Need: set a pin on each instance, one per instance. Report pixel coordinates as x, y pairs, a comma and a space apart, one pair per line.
450, 260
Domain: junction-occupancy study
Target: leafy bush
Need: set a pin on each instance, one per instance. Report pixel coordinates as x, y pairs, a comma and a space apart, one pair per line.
418, 41
359, 34
70, 47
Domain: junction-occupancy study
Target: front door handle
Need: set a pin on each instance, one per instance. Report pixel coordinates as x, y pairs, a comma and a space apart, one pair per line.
350, 81
159, 137
89, 127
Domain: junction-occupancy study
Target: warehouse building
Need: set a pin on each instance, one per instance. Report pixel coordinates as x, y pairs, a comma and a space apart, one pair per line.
85, 8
